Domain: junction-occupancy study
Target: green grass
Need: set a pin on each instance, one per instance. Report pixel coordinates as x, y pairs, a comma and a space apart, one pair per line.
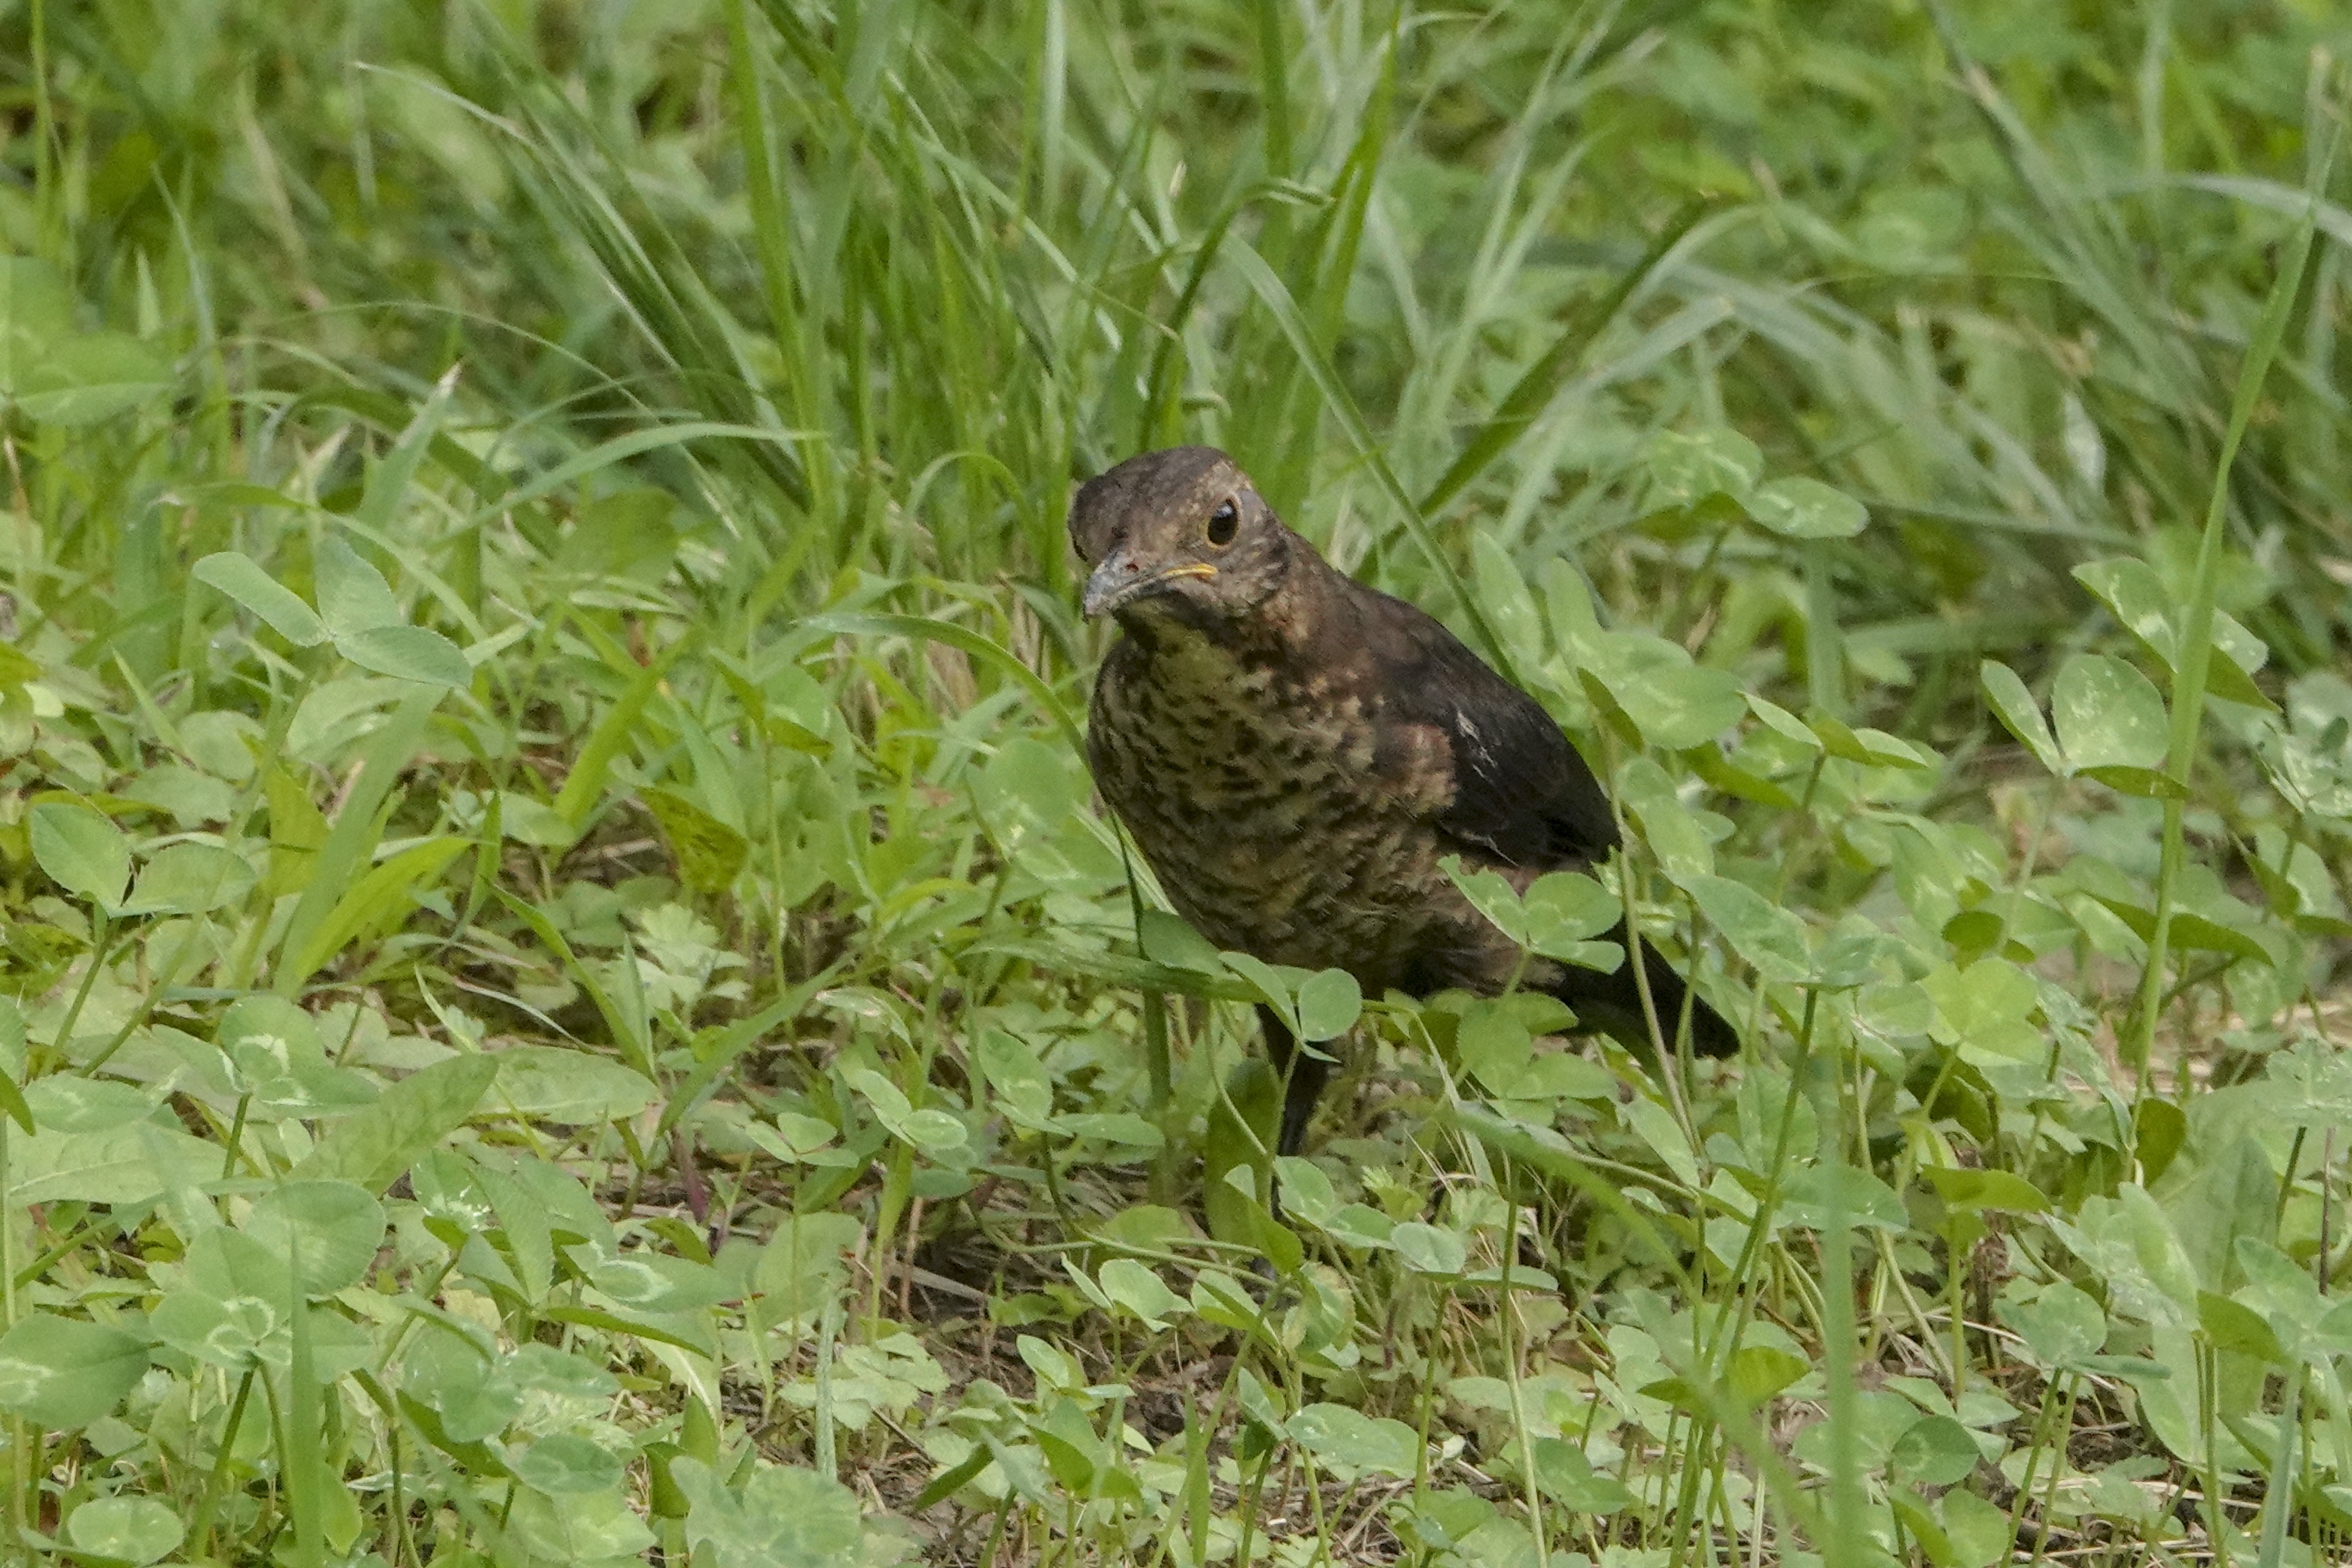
569, 997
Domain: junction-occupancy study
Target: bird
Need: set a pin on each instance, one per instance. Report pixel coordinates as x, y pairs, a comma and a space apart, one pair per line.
1296, 755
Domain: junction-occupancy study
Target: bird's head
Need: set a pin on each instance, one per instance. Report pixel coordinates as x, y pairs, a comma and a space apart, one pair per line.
1180, 533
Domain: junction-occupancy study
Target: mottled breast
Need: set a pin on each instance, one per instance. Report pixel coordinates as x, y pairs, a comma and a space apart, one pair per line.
1256, 793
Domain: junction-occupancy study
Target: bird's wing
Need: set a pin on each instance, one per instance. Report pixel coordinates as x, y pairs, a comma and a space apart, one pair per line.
1520, 793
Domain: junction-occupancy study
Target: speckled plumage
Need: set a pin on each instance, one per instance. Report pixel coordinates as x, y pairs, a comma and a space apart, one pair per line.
1295, 753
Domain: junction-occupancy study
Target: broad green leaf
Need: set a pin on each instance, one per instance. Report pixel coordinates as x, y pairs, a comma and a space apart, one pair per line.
1979, 1532
193, 799
1670, 702
1804, 508
569, 1085
1863, 1200
1495, 1042
2148, 783
2060, 1326
92, 377
1306, 1192
2281, 1288
36, 310
1687, 468
123, 1529
542, 1369
265, 1035
190, 879
2107, 714
1165, 937
1871, 748
2133, 591
261, 594
1937, 1451
1027, 791
1767, 935
81, 851
1494, 1045
1673, 831
2234, 1326
1657, 1127
1972, 1190
709, 853
62, 1373
1760, 1371
1564, 912
2316, 1080
567, 1465
929, 1130
1510, 606
339, 1225
786, 1517
1491, 894
1336, 1434
2190, 933
647, 1282
1427, 1250
1265, 982
2159, 1128
1783, 724
352, 594
222, 1332
1986, 1009
451, 1376
61, 1103
1144, 1294
580, 1527
793, 1137
1329, 1005
527, 820
2021, 713
802, 1263
2136, 595
125, 1164
408, 653
1568, 1478
374, 1146
1017, 1080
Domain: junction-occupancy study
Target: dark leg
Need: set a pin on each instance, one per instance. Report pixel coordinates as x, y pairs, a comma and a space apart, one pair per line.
1302, 1076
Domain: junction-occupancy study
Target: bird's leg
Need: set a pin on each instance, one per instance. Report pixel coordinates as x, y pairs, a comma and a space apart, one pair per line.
1303, 1074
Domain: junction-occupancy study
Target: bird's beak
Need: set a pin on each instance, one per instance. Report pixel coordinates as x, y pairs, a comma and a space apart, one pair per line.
1118, 581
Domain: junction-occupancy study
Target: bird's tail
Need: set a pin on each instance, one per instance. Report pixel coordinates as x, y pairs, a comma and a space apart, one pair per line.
1611, 1004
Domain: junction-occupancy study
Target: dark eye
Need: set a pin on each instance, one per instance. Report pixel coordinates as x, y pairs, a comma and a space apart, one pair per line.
1224, 522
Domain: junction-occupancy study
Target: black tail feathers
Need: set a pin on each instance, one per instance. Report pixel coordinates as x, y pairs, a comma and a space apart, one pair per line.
1611, 1004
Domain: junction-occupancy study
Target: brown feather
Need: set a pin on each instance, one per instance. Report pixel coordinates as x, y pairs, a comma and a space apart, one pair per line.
1296, 755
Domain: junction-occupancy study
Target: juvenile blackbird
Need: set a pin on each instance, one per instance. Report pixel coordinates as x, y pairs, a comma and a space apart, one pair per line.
1295, 752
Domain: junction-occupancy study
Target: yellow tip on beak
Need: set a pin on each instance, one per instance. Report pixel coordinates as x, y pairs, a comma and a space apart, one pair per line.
1111, 586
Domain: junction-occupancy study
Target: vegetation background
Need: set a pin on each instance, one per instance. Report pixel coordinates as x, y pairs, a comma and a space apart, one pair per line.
569, 1002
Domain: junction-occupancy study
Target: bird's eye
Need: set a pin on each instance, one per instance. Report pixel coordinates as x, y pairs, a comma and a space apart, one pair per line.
1224, 523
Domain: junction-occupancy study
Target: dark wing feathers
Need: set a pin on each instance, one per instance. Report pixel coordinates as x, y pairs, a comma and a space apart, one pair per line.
1522, 794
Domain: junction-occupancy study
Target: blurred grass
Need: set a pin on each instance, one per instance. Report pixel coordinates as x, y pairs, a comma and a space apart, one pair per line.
2005, 311
716, 376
